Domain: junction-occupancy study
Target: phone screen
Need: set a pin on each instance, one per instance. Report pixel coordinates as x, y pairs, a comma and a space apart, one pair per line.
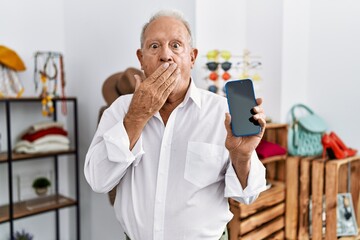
241, 99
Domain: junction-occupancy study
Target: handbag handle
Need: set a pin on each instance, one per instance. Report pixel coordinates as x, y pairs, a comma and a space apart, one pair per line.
294, 119
299, 106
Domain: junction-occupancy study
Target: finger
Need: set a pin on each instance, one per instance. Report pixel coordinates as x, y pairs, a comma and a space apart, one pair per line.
259, 101
170, 87
160, 80
262, 123
157, 73
260, 118
161, 74
227, 123
137, 81
170, 82
257, 109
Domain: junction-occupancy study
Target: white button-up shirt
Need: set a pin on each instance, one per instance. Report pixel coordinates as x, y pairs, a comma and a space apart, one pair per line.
175, 182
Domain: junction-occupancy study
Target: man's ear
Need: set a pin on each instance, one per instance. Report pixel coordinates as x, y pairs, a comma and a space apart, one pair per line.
193, 55
139, 56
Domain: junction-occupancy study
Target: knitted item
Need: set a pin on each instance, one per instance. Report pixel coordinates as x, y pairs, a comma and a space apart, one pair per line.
267, 149
38, 134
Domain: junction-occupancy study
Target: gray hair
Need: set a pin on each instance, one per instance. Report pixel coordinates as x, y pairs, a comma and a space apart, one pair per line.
166, 13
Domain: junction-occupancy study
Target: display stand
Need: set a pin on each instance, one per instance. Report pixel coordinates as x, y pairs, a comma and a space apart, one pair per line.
12, 211
265, 218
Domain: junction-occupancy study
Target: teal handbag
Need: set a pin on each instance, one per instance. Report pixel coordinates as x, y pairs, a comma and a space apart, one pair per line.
304, 136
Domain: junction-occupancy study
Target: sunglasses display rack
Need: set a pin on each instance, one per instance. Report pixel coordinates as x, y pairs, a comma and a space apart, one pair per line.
222, 66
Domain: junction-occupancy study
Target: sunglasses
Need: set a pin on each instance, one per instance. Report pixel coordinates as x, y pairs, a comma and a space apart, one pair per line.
214, 54
213, 88
250, 65
213, 66
213, 76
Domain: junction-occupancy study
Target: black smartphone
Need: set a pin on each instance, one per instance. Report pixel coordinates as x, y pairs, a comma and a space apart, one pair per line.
241, 99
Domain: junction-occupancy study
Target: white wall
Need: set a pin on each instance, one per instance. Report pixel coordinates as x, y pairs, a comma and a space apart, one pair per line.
215, 30
295, 54
334, 66
263, 38
235, 25
27, 26
307, 49
320, 62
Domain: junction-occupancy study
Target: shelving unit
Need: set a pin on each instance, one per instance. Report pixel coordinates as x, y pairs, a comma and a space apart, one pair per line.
13, 211
336, 179
311, 179
265, 218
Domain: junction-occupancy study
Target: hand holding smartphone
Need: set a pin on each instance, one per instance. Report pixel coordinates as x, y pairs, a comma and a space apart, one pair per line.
241, 100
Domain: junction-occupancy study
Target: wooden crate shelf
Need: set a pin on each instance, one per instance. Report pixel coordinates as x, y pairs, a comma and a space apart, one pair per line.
276, 133
266, 230
336, 182
312, 179
261, 218
275, 166
264, 218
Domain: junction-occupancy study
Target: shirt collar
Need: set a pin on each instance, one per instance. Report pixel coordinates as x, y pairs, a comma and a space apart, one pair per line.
192, 93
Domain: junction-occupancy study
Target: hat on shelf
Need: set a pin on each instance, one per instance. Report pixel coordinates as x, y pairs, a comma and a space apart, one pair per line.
11, 59
119, 84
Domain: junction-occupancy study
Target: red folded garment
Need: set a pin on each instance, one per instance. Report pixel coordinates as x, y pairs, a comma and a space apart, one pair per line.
267, 149
38, 134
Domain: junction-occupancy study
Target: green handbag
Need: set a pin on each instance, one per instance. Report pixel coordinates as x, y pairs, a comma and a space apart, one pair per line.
304, 136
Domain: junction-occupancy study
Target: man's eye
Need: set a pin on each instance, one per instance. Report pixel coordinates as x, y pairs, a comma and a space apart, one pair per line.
154, 45
176, 45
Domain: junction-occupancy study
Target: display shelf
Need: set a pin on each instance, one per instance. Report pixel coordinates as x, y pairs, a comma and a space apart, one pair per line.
24, 156
34, 99
260, 219
35, 206
336, 180
310, 178
275, 166
274, 159
265, 217
12, 210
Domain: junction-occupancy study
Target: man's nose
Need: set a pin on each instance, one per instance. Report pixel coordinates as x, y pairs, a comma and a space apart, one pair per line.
166, 54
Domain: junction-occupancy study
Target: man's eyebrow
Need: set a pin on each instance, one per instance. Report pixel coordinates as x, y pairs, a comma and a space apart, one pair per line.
177, 39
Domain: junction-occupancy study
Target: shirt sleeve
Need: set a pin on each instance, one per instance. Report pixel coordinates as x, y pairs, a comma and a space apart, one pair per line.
256, 182
109, 156
117, 145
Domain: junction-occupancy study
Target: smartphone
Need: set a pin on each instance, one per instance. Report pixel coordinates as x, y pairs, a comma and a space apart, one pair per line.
241, 100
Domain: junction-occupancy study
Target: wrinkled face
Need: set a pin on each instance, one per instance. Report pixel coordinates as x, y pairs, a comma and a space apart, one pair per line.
167, 40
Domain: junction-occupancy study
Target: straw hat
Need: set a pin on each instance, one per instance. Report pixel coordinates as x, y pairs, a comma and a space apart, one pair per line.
10, 59
120, 83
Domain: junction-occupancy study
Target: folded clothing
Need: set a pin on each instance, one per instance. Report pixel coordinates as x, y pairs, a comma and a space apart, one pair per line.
43, 137
43, 132
45, 125
43, 140
267, 149
43, 147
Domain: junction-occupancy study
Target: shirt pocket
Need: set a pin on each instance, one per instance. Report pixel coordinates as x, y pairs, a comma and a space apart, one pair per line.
204, 163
